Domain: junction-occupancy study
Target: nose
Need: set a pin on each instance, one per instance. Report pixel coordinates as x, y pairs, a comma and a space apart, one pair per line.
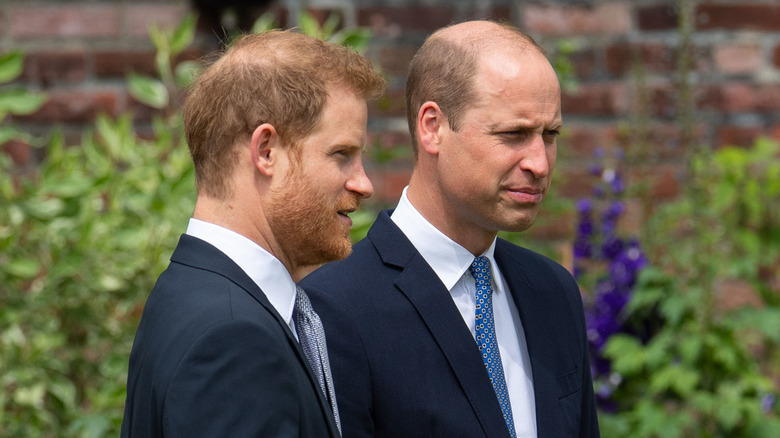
536, 158
359, 183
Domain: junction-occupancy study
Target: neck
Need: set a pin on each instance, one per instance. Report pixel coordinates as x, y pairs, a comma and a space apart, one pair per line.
226, 214
429, 202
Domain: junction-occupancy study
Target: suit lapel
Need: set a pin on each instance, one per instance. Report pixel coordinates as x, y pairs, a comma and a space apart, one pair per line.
197, 253
538, 311
433, 302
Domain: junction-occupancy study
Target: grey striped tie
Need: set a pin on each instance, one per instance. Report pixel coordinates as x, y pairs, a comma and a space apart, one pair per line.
312, 338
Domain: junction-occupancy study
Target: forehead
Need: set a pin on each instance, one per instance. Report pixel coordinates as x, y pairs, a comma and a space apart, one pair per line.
520, 82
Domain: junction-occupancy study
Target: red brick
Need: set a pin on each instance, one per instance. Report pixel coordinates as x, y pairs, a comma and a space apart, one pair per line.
391, 21
775, 132
738, 58
602, 19
499, 13
754, 16
390, 140
736, 97
776, 58
659, 142
79, 20
119, 64
768, 98
584, 62
655, 57
395, 59
662, 181
596, 99
657, 17
388, 183
139, 17
573, 182
552, 225
393, 103
53, 67
580, 140
20, 152
663, 101
76, 105
732, 135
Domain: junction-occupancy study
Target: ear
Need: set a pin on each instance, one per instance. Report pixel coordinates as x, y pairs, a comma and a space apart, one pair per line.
430, 124
266, 147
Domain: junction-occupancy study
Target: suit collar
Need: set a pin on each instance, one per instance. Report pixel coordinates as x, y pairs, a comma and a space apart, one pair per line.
417, 281
199, 254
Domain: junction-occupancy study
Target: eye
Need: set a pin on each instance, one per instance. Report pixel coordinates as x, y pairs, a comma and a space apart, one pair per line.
549, 135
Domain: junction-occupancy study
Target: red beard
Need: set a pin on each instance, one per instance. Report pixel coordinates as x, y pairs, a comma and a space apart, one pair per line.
307, 229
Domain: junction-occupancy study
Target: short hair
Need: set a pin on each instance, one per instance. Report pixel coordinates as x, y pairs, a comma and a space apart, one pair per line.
276, 77
444, 68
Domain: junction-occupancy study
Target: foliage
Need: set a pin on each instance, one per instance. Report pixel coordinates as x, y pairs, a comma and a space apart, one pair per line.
156, 92
81, 244
698, 374
356, 38
15, 100
80, 247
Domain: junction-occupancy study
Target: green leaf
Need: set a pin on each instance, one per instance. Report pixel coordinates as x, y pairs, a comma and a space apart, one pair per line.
183, 34
11, 65
19, 101
265, 23
22, 268
330, 25
8, 133
186, 72
357, 39
43, 209
148, 90
309, 25
626, 354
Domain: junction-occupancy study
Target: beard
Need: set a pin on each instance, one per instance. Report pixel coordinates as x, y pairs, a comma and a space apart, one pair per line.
306, 227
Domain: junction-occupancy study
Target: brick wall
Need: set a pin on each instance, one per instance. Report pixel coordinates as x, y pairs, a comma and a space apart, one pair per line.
625, 54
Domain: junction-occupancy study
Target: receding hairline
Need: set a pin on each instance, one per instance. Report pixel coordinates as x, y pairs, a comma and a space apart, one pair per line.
484, 35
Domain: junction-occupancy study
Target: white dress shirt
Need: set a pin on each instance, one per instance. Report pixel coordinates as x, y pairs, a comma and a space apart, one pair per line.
263, 268
450, 261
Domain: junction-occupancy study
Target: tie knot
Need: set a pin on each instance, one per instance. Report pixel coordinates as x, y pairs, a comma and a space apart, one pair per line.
480, 268
302, 303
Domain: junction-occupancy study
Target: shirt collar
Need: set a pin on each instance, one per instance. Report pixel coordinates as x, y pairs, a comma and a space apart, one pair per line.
264, 269
448, 259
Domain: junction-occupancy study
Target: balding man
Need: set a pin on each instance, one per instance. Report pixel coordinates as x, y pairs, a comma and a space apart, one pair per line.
227, 345
431, 278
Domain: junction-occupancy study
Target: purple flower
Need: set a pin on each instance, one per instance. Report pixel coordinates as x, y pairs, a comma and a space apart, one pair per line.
595, 170
613, 212
584, 206
582, 249
617, 185
611, 247
768, 403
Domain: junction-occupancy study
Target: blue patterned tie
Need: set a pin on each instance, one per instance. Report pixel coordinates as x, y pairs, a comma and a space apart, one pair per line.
485, 334
312, 337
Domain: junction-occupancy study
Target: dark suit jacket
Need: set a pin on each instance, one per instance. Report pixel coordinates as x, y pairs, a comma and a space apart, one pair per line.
405, 363
212, 358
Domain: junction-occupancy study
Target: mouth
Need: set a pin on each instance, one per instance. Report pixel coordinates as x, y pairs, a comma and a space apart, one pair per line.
344, 215
525, 195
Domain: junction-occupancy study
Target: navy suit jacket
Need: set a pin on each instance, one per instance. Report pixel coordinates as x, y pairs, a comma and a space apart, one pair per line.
212, 358
406, 365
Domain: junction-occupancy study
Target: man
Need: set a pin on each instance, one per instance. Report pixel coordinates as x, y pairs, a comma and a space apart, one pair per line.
275, 128
484, 111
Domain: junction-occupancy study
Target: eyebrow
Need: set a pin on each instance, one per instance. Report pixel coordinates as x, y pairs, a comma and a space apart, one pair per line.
523, 124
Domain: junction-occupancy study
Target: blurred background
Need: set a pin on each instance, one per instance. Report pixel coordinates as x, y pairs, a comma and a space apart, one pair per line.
665, 203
